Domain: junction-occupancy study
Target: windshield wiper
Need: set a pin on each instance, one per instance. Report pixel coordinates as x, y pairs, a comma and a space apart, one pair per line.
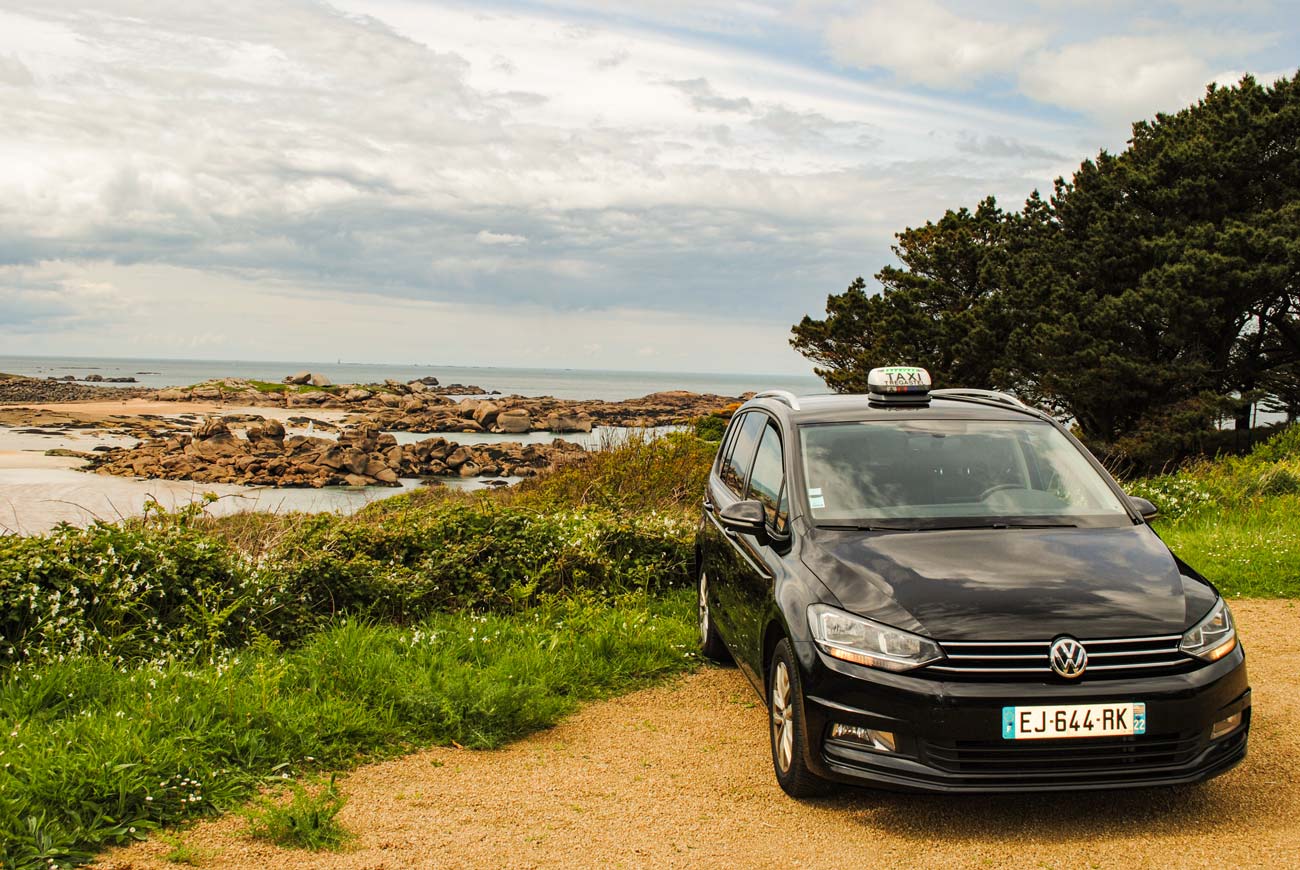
862, 527
997, 524
1002, 524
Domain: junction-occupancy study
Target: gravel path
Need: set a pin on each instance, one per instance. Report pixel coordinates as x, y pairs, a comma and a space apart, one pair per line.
680, 775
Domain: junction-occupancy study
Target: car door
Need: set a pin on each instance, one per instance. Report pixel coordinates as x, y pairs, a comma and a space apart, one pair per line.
758, 560
719, 557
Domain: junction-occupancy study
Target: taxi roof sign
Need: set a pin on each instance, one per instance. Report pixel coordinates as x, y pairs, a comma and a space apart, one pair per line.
899, 385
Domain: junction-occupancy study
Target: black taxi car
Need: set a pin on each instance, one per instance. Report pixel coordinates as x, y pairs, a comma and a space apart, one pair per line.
943, 590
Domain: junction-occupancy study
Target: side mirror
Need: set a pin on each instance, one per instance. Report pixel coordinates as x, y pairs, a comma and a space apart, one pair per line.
744, 516
1145, 508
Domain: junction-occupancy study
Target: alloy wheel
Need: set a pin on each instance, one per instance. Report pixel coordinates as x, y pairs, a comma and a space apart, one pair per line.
704, 608
782, 717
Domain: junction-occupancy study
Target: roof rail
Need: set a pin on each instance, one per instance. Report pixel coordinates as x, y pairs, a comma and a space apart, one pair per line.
986, 395
782, 395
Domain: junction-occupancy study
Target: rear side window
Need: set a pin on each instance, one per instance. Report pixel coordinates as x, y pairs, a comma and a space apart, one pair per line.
767, 482
735, 468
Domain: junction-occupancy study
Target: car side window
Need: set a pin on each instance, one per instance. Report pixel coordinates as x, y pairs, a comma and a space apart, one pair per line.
767, 481
735, 469
729, 440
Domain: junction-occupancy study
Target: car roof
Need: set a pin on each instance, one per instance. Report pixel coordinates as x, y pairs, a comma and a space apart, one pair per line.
847, 407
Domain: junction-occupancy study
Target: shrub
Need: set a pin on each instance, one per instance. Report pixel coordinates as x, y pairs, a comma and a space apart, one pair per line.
1173, 494
1281, 446
165, 587
636, 476
710, 428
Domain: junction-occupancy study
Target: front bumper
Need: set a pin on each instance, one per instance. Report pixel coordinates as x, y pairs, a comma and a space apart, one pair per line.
949, 732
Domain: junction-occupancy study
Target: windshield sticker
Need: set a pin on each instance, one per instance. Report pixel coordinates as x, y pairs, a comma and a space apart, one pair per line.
816, 501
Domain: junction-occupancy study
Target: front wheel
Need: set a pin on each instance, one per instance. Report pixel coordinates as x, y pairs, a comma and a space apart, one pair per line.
711, 644
786, 724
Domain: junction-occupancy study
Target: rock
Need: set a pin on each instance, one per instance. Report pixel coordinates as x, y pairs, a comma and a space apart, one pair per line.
319, 380
559, 422
514, 421
299, 378
469, 469
417, 387
364, 437
268, 435
205, 393
216, 447
172, 394
486, 413
343, 458
386, 475
300, 399
126, 380
356, 480
459, 457
412, 403
210, 428
427, 380
93, 379
390, 401
357, 395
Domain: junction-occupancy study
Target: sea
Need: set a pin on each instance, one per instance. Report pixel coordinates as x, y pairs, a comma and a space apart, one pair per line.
607, 384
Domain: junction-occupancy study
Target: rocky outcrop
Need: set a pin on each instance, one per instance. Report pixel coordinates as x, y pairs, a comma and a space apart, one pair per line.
18, 390
362, 456
304, 389
544, 413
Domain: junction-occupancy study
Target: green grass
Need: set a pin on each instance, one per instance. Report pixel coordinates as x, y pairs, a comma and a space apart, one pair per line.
1236, 519
308, 820
269, 387
1253, 553
94, 754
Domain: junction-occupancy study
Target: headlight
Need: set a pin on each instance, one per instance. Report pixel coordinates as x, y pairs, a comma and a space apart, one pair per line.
869, 643
1213, 637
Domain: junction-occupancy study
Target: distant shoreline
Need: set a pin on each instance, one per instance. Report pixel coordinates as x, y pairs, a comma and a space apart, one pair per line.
562, 383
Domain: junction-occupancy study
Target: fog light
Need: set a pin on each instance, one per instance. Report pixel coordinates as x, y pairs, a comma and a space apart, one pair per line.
881, 741
1225, 726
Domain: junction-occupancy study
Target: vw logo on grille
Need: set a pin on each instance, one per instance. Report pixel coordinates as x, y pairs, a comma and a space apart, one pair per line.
1068, 657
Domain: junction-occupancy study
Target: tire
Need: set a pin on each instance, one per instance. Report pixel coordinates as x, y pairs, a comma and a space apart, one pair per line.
786, 726
711, 644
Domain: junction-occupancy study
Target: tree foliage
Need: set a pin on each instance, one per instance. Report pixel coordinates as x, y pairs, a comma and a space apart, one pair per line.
1162, 281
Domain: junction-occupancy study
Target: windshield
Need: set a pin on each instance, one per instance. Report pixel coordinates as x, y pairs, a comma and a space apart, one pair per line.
919, 473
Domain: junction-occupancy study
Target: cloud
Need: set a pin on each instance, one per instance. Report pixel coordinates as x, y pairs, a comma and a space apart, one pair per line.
923, 42
1118, 67
14, 73
47, 296
487, 237
993, 145
1118, 77
704, 98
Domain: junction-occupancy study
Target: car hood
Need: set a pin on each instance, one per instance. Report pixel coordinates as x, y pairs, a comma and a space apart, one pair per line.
1011, 584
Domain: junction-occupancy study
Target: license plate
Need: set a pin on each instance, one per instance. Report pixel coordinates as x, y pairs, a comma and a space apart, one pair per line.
1073, 720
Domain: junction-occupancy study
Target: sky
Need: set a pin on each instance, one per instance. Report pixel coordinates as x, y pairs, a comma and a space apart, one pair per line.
653, 186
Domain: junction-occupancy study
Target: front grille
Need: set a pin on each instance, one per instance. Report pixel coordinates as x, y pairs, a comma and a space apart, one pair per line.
1110, 658
1069, 758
